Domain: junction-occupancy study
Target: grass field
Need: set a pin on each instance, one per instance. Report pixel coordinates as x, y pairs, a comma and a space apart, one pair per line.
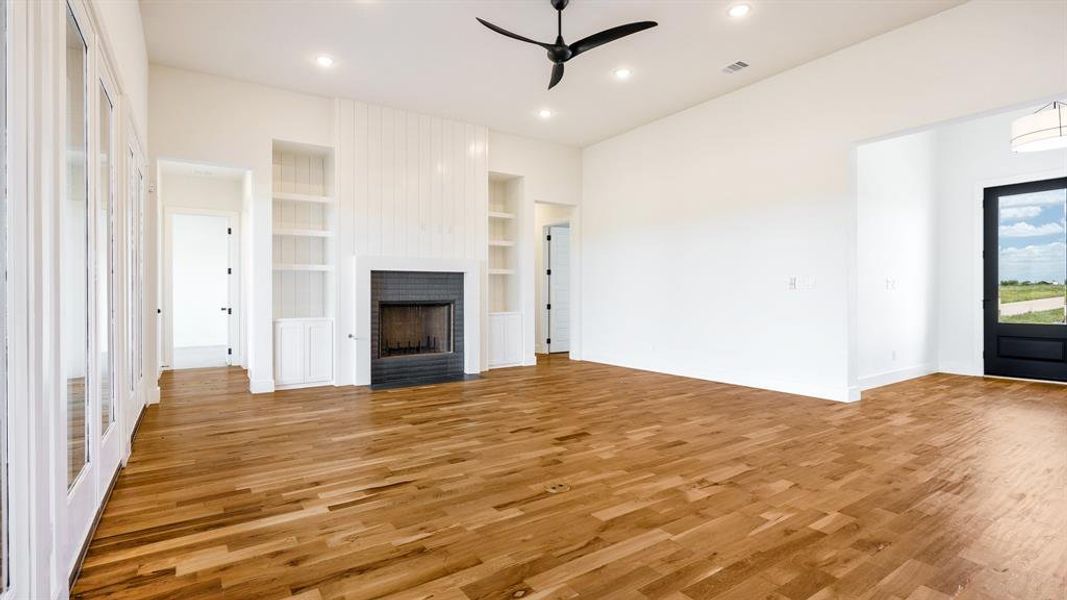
1039, 317
1036, 291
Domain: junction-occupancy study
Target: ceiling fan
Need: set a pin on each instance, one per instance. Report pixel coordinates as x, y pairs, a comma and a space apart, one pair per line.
561, 52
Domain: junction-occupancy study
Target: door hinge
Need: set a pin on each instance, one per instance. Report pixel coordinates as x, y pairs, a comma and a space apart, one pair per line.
159, 311
548, 272
229, 271
548, 237
229, 351
229, 311
549, 307
548, 341
229, 231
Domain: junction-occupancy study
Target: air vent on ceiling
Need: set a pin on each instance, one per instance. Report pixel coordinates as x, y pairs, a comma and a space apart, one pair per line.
734, 67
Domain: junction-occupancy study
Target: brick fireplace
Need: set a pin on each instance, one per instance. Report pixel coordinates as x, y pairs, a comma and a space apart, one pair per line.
417, 329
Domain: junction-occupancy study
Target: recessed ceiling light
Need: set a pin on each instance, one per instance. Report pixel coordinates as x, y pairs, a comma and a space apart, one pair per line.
622, 73
324, 61
739, 10
545, 113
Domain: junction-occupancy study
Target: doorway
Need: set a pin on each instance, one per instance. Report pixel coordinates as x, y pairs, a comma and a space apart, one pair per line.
557, 288
201, 296
1025, 263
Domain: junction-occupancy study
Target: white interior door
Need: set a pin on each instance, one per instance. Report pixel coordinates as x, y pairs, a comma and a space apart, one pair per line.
559, 288
201, 274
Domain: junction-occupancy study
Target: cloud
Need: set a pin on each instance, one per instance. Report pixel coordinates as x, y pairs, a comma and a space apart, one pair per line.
1041, 262
1024, 229
1034, 199
1018, 213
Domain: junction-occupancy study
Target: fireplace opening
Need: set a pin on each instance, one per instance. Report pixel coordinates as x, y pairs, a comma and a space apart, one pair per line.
411, 328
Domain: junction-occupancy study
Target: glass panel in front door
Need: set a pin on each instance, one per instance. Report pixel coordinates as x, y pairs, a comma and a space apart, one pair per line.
1032, 257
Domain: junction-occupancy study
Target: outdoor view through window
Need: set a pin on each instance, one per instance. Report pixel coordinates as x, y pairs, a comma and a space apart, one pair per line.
1033, 257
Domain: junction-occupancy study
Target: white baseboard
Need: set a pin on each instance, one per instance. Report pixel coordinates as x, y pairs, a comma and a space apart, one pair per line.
895, 376
261, 386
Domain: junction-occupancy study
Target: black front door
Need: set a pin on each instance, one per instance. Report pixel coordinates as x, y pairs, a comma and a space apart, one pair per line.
1025, 264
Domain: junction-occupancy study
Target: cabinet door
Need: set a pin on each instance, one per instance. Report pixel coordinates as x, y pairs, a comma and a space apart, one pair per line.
289, 353
319, 349
513, 339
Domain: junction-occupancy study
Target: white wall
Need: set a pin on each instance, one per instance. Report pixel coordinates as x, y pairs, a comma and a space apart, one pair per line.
202, 191
896, 262
696, 222
972, 155
553, 172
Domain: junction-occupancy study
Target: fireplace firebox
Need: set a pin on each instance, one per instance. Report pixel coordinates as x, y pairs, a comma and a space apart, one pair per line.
410, 328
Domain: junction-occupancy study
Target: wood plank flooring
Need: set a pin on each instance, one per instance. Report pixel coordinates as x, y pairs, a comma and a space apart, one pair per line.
577, 480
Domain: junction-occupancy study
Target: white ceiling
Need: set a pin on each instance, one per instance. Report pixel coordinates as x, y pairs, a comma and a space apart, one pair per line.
431, 56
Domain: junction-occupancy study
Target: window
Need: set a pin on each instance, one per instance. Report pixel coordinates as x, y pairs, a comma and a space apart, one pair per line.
104, 214
74, 252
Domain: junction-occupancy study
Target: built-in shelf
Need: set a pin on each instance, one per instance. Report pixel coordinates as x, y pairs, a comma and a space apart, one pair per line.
501, 271
294, 197
501, 243
500, 215
298, 267
298, 232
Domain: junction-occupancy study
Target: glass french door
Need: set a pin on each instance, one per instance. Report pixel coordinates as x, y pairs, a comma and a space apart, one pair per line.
87, 284
1025, 271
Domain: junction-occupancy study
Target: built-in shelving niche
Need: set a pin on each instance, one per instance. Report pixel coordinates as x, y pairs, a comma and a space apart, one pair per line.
504, 195
304, 215
303, 226
505, 311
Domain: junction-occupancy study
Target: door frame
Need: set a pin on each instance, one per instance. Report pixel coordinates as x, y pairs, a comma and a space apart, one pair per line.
991, 290
977, 362
167, 281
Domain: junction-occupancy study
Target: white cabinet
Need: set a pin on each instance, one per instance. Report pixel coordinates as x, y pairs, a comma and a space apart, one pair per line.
505, 339
303, 352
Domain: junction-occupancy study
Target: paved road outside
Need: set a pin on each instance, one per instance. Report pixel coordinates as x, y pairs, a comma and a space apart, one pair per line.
1019, 308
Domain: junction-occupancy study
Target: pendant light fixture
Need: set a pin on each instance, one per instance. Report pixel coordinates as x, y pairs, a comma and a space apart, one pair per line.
1045, 129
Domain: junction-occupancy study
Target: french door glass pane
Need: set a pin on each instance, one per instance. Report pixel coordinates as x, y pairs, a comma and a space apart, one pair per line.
104, 261
1032, 257
74, 248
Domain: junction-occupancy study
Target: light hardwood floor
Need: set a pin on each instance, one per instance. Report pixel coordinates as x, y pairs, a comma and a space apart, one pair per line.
577, 480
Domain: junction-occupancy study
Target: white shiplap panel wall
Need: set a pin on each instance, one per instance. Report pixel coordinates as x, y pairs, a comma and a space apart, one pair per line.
420, 183
409, 186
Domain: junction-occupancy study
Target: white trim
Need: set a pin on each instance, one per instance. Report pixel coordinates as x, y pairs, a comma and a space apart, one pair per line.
472, 321
261, 386
895, 376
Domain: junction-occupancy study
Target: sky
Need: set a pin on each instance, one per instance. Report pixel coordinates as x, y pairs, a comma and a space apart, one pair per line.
1033, 236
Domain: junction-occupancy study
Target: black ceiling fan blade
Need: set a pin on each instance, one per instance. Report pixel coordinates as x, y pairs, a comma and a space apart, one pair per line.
513, 36
609, 35
557, 75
